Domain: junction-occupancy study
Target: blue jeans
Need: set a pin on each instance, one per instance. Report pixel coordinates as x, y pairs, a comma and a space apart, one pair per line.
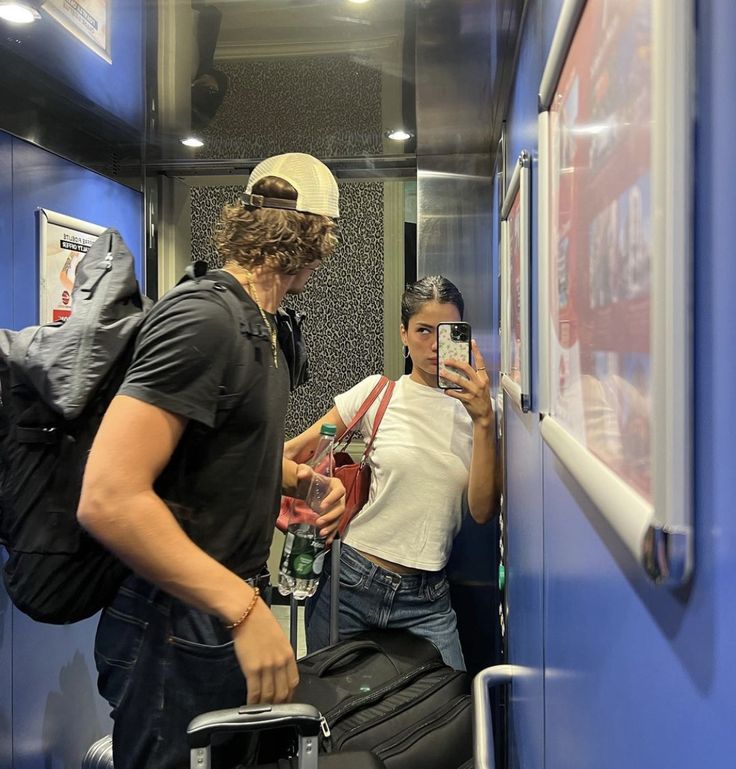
372, 597
160, 663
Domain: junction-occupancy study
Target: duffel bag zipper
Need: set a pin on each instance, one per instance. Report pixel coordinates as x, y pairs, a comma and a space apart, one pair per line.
356, 730
441, 716
361, 700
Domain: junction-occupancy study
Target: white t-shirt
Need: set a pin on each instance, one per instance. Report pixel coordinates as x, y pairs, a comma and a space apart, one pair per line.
420, 464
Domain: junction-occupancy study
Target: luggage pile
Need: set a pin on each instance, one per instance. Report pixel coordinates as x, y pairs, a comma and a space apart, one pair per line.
381, 699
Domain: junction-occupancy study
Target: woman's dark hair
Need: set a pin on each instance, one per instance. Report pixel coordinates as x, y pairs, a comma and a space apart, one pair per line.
433, 288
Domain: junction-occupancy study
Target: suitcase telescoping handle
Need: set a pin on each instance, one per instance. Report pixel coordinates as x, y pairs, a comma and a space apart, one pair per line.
483, 747
321, 663
306, 719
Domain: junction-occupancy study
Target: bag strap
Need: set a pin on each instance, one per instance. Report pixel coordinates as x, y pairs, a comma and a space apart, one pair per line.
349, 433
377, 421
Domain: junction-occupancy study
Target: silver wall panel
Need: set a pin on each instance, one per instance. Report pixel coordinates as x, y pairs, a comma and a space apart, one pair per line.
454, 107
454, 202
456, 48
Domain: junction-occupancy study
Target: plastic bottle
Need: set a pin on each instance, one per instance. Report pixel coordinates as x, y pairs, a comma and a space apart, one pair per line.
304, 550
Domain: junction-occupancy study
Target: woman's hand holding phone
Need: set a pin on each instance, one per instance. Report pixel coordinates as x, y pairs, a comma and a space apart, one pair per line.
471, 386
453, 343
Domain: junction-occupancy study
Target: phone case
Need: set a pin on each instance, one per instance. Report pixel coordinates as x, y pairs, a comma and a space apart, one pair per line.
450, 346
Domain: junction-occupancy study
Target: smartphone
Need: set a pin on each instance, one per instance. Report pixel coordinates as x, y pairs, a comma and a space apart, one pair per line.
453, 341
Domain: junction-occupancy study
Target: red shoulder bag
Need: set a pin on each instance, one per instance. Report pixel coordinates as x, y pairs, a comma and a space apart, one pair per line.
355, 476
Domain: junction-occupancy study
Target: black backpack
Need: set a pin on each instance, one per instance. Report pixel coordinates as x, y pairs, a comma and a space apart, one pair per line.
57, 381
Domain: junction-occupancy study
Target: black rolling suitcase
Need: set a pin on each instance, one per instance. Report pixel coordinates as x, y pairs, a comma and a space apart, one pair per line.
390, 692
384, 691
387, 692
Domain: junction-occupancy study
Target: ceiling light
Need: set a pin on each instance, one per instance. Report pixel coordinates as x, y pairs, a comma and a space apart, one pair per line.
399, 135
359, 2
18, 12
192, 141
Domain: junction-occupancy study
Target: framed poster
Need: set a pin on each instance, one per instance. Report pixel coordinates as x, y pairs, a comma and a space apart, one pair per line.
87, 20
62, 242
499, 175
515, 236
615, 265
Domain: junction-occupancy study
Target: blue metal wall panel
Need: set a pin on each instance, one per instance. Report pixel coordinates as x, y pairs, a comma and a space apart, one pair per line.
525, 557
634, 675
47, 181
524, 560
116, 86
57, 712
523, 114
667, 659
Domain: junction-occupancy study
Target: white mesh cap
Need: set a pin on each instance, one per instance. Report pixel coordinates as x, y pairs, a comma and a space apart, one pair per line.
315, 185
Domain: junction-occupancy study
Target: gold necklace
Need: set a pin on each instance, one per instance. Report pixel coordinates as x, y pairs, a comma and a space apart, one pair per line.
271, 329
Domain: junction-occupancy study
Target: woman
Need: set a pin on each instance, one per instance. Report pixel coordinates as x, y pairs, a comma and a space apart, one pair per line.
433, 449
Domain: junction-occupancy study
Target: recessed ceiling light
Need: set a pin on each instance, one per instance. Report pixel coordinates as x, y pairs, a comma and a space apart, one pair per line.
359, 2
18, 12
192, 141
399, 135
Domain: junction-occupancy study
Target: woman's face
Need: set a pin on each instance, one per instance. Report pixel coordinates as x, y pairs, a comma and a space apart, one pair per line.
421, 339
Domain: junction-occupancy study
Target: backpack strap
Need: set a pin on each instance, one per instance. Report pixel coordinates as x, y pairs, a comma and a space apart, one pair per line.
288, 326
247, 322
195, 278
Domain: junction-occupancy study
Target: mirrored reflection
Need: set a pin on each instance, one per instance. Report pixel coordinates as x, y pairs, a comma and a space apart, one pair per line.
253, 78
237, 80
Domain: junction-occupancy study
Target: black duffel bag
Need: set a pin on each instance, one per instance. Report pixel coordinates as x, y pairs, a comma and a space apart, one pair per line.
390, 692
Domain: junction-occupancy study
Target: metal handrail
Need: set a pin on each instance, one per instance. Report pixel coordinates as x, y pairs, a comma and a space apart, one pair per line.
482, 723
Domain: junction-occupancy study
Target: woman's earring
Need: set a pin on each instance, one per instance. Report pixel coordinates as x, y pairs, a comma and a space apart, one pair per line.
406, 352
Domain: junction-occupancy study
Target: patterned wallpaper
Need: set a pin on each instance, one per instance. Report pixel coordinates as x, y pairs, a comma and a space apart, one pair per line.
329, 106
343, 301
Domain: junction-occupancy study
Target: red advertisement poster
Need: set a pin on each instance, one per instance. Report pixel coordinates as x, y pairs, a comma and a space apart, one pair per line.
601, 238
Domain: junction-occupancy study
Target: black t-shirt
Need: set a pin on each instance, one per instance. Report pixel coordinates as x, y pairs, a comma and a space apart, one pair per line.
223, 482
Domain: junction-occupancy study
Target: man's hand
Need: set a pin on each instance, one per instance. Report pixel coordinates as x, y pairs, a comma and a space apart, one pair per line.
266, 658
333, 505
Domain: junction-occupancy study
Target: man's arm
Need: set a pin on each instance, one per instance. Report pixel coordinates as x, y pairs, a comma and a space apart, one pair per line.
119, 507
301, 448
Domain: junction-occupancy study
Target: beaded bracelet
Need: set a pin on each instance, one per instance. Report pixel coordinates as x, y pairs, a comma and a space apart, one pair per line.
244, 615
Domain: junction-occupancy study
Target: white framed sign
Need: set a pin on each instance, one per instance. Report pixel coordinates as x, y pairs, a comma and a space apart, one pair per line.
62, 242
87, 20
515, 298
615, 268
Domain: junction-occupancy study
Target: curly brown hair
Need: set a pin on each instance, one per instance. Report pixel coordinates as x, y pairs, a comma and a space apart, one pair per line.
284, 240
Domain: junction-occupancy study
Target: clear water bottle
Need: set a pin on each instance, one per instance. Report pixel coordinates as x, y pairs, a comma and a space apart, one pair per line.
304, 553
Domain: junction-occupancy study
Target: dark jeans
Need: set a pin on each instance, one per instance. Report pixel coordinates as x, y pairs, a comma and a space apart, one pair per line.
372, 597
160, 664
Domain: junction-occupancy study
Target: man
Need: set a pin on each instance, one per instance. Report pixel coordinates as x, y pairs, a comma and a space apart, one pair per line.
209, 85
188, 499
